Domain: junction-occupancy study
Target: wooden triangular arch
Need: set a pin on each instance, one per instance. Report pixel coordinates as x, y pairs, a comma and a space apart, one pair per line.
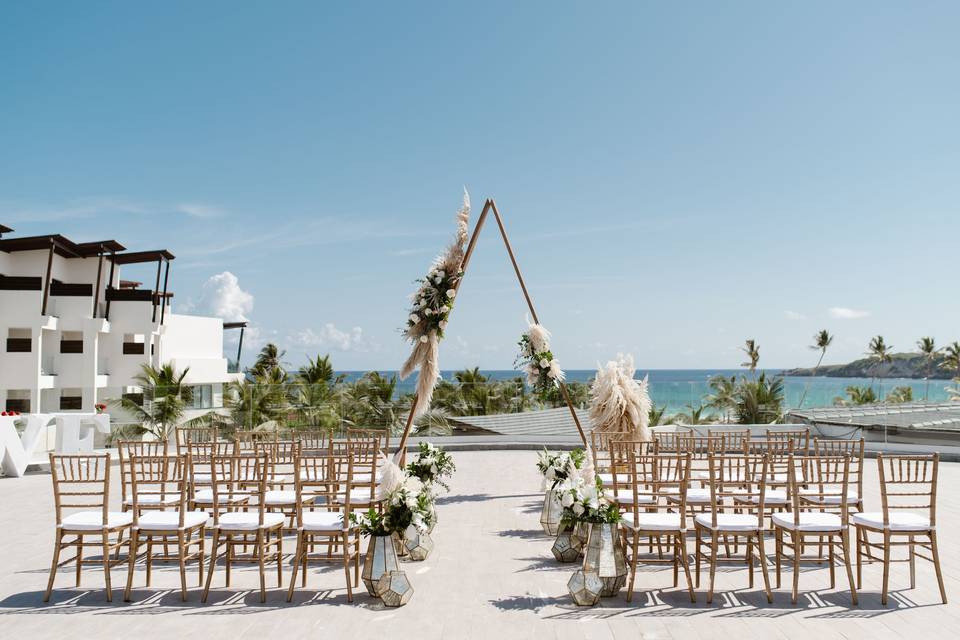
488, 206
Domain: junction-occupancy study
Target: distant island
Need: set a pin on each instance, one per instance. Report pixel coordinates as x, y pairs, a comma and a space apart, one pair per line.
904, 365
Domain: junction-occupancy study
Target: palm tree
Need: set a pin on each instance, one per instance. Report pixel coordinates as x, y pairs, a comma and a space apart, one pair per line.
759, 401
951, 362
899, 395
928, 348
319, 369
165, 399
270, 357
694, 416
881, 353
821, 341
753, 352
656, 414
857, 395
723, 393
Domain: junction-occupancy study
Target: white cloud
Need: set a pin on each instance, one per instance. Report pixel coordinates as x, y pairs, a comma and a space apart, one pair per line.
196, 210
330, 337
222, 297
794, 315
843, 313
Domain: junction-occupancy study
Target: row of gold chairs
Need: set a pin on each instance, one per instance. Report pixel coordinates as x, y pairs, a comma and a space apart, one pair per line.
245, 499
749, 494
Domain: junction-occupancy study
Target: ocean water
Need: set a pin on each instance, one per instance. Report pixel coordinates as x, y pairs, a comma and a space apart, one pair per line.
678, 388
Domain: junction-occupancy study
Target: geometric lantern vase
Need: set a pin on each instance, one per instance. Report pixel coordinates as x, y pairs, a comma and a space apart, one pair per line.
381, 559
565, 548
604, 556
394, 589
418, 543
585, 587
550, 514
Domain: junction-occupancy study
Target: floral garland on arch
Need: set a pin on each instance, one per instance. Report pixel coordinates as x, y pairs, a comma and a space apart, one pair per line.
536, 360
430, 307
618, 402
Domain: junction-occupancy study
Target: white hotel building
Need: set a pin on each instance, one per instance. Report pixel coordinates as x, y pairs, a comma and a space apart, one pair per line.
74, 334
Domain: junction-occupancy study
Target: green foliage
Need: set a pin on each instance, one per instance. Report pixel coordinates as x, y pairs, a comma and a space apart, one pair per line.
759, 401
657, 415
165, 399
900, 395
856, 396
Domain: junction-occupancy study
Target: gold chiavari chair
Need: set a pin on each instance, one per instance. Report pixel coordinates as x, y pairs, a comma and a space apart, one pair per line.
733, 477
158, 480
363, 458
281, 495
600, 452
185, 436
241, 529
731, 440
908, 498
200, 457
247, 439
852, 448
314, 440
673, 441
799, 437
81, 496
826, 483
654, 477
619, 474
126, 450
778, 452
326, 477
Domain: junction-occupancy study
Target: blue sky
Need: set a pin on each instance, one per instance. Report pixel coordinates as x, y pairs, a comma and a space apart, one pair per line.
676, 178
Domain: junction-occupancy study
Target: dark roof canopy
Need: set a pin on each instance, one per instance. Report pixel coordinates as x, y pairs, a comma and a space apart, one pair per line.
136, 257
94, 248
234, 325
4, 229
61, 245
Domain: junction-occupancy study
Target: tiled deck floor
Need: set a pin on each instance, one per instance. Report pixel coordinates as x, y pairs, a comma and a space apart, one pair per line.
490, 576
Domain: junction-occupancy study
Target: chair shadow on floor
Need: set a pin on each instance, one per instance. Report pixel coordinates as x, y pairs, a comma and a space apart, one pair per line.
524, 534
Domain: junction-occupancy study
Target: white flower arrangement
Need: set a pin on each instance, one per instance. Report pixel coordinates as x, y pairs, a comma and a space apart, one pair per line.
584, 500
431, 305
557, 467
432, 465
536, 360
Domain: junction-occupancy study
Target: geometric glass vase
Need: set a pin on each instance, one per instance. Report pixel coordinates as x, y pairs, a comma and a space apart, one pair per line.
604, 555
381, 559
550, 514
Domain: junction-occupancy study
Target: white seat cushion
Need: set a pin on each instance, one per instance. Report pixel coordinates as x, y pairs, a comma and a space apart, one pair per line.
899, 520
248, 521
287, 497
154, 499
627, 498
659, 521
93, 520
170, 520
730, 521
829, 498
205, 496
606, 479
770, 496
809, 521
362, 496
201, 478
694, 496
322, 521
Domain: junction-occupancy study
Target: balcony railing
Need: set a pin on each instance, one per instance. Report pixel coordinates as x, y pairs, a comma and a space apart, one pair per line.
20, 283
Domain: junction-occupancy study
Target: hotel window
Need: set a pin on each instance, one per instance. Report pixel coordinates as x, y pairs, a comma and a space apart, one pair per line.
71, 400
202, 396
19, 341
71, 342
133, 344
18, 400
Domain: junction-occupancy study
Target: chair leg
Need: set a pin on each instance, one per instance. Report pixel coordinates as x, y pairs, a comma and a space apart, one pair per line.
777, 551
682, 543
634, 545
149, 559
886, 565
182, 553
79, 558
832, 558
845, 541
56, 561
296, 565
860, 535
260, 546
131, 563
346, 567
201, 541
280, 558
714, 539
913, 564
228, 557
935, 554
213, 564
795, 539
698, 552
676, 564
105, 543
763, 566
748, 553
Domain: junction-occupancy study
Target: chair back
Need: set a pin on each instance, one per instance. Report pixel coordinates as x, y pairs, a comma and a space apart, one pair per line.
908, 482
672, 441
382, 436
656, 477
128, 448
800, 439
356, 462
738, 478
701, 449
282, 455
155, 480
318, 440
80, 482
820, 483
852, 448
731, 440
321, 475
778, 452
246, 439
187, 435
237, 475
621, 456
